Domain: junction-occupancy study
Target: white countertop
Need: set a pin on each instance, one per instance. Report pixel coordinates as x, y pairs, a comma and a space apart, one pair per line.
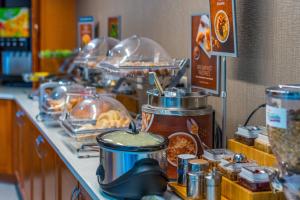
83, 169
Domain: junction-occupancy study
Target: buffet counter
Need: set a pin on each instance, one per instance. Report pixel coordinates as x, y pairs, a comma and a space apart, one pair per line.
83, 169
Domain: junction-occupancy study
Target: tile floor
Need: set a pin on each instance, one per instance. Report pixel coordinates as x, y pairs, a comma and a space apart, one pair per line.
8, 192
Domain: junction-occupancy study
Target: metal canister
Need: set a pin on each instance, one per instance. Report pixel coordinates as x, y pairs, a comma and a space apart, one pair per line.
187, 122
198, 169
213, 185
182, 169
198, 165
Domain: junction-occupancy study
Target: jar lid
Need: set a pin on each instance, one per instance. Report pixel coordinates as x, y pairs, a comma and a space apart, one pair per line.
178, 98
198, 165
183, 159
126, 141
290, 91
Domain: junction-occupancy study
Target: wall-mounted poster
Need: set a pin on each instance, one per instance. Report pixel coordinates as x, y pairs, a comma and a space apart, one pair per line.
223, 28
86, 30
205, 67
114, 27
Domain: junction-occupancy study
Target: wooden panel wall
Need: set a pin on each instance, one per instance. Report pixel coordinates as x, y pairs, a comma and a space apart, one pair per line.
54, 27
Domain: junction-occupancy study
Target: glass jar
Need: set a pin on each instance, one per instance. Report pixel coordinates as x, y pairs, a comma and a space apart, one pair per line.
254, 179
283, 125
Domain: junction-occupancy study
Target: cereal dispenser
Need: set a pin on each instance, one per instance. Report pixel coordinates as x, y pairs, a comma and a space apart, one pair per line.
283, 125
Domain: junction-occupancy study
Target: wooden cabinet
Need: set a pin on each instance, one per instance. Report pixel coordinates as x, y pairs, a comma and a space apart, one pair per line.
68, 184
36, 170
49, 169
34, 161
6, 141
24, 154
40, 173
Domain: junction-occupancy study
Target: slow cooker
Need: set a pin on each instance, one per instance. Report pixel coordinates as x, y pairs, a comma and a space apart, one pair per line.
127, 159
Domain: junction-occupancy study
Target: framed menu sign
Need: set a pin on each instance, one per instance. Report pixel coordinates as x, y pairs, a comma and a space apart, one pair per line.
205, 67
114, 27
86, 30
223, 28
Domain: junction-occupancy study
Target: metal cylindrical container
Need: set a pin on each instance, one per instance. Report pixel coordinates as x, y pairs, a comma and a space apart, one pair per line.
182, 169
195, 186
213, 186
117, 160
187, 122
196, 179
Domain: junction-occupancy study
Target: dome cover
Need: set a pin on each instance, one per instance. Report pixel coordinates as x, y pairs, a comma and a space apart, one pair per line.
95, 113
53, 95
96, 50
137, 53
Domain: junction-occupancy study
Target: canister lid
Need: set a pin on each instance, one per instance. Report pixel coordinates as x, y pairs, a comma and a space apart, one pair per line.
198, 165
183, 159
178, 98
214, 178
289, 91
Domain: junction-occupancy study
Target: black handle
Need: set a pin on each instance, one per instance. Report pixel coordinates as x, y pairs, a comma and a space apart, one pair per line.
145, 178
133, 129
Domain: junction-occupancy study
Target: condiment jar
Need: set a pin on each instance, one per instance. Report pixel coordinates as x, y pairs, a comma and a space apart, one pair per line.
213, 185
196, 179
182, 167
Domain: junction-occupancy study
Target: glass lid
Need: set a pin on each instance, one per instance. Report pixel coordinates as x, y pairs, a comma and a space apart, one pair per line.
96, 50
99, 107
95, 113
123, 140
52, 99
137, 53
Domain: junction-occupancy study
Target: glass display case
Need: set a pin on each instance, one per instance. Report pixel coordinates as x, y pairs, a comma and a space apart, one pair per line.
52, 98
93, 115
255, 179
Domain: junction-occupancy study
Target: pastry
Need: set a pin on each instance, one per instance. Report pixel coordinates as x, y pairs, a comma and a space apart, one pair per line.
112, 119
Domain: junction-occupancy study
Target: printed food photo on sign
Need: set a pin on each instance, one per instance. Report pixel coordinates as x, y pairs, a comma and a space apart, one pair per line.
147, 120
203, 37
223, 28
114, 27
205, 66
181, 143
86, 28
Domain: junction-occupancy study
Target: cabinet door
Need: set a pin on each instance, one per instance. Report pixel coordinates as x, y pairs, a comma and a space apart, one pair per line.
50, 186
37, 181
68, 185
25, 154
6, 117
18, 120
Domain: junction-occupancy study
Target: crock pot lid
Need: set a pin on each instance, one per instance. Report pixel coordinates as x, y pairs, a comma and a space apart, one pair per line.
126, 141
289, 91
179, 93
